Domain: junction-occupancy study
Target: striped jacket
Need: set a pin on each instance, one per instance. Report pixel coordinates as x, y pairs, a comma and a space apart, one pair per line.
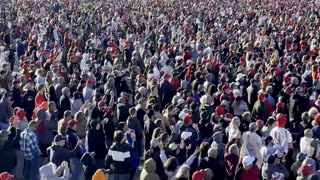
119, 158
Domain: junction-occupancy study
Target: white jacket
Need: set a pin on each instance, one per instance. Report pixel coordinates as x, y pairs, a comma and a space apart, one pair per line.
279, 135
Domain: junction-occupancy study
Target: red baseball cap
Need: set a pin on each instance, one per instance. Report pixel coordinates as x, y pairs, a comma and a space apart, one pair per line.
6, 176
198, 175
187, 119
21, 113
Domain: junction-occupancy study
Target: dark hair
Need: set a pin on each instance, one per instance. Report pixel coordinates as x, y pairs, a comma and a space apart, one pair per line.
118, 136
171, 164
156, 107
150, 113
132, 111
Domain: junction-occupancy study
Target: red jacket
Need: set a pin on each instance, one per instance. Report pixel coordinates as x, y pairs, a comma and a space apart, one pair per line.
175, 83
39, 99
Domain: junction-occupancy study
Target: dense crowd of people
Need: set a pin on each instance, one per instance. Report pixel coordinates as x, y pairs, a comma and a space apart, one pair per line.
159, 89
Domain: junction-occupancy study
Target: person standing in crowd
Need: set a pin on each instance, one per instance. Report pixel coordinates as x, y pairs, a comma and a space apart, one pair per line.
58, 153
135, 125
230, 74
96, 143
29, 146
118, 158
65, 104
40, 97
28, 100
45, 134
62, 124
6, 110
149, 127
72, 142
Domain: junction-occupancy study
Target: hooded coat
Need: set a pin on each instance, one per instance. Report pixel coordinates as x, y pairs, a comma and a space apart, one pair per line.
95, 137
149, 170
89, 167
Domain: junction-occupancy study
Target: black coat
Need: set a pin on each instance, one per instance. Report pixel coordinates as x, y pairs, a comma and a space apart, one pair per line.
8, 155
65, 104
166, 93
297, 105
17, 99
96, 143
28, 103
72, 140
89, 167
252, 92
149, 127
122, 112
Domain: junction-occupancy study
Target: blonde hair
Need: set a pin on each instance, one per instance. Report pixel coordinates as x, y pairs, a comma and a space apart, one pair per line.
312, 111
212, 152
246, 115
183, 172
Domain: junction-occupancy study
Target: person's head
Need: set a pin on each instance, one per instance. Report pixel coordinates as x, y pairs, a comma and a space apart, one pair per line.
311, 162
235, 122
262, 97
52, 107
121, 100
118, 136
209, 174
41, 88
133, 112
305, 117
247, 162
268, 141
234, 149
61, 80
246, 115
271, 122
171, 110
79, 116
183, 172
171, 164
253, 127
42, 114
271, 159
59, 140
156, 133
67, 115
313, 112
308, 133
301, 157
164, 138
213, 153
66, 91
269, 90
7, 96
150, 114
32, 125
142, 102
